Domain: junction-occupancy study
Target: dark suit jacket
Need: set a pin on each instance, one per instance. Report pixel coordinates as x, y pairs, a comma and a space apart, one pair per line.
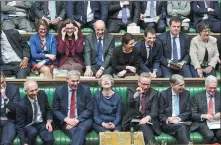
41, 9
90, 49
12, 92
151, 108
84, 103
165, 40
165, 105
24, 114
160, 8
118, 62
199, 107
20, 46
134, 7
99, 8
154, 55
199, 10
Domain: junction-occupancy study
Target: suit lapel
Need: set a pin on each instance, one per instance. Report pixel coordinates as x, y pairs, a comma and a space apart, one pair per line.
170, 100
169, 44
29, 106
94, 39
204, 102
144, 50
217, 102
105, 42
66, 98
182, 44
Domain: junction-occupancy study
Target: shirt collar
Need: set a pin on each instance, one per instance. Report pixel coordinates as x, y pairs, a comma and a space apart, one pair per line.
173, 93
32, 100
147, 46
207, 95
102, 38
171, 35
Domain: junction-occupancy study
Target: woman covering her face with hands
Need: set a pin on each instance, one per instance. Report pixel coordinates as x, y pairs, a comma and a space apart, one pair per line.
70, 46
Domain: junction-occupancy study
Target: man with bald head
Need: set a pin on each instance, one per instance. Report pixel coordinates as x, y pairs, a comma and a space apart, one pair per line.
98, 50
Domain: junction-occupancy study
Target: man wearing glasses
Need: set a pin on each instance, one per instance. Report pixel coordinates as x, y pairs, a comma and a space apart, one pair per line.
72, 105
143, 106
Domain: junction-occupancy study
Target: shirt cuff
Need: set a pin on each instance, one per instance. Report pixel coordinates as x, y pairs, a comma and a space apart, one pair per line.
102, 67
167, 122
136, 95
201, 118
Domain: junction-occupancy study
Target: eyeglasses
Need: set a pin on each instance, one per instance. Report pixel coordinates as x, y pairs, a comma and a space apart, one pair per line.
206, 31
42, 29
144, 84
69, 28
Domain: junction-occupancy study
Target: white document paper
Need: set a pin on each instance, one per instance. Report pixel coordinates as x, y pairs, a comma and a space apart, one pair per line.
213, 124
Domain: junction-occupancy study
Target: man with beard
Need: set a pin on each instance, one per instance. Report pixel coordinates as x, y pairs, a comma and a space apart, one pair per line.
150, 53
143, 104
98, 51
174, 108
73, 107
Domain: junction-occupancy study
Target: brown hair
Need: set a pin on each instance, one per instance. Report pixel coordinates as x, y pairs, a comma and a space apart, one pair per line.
126, 38
43, 23
149, 30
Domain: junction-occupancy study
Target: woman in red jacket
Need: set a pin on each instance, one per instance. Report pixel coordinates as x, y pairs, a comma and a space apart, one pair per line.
70, 46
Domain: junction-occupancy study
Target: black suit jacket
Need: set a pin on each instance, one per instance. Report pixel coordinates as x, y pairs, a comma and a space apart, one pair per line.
84, 103
199, 10
41, 9
20, 46
165, 40
199, 106
165, 105
90, 49
24, 114
12, 92
118, 62
160, 8
154, 55
134, 7
151, 108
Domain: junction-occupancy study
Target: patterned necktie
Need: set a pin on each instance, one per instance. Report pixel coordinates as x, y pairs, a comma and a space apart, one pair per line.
124, 15
72, 107
151, 8
210, 107
35, 111
143, 103
175, 55
99, 52
176, 105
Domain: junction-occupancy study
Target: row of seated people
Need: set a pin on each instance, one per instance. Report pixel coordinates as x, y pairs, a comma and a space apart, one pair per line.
76, 111
116, 14
171, 52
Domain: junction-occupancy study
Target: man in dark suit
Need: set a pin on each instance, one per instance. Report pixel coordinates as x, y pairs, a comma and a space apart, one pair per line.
98, 51
143, 104
174, 108
207, 12
206, 106
9, 97
15, 54
73, 107
53, 12
122, 14
175, 50
153, 15
150, 53
34, 116
85, 13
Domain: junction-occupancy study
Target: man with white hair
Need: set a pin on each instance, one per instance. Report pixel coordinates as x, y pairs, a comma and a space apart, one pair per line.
98, 51
73, 107
34, 116
206, 106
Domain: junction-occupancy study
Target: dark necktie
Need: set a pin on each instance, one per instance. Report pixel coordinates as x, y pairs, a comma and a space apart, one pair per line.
152, 8
99, 52
69, 9
35, 111
143, 103
205, 60
175, 55
72, 107
210, 107
124, 15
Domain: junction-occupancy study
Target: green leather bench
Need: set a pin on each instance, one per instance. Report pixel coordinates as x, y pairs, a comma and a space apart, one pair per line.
92, 137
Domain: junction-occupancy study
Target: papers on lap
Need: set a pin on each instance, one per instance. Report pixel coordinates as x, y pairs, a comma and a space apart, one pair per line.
213, 124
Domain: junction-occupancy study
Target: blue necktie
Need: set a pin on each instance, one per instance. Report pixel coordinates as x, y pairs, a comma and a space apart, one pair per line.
176, 105
124, 15
99, 52
152, 8
175, 55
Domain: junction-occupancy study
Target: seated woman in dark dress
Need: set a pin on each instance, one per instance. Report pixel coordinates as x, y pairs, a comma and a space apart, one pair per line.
107, 107
126, 59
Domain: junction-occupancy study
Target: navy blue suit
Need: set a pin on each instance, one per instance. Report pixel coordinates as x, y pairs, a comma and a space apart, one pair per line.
24, 115
84, 111
153, 61
8, 128
199, 10
165, 40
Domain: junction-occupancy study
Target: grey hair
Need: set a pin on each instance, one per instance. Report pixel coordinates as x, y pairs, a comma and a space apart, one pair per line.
73, 73
176, 78
27, 82
106, 76
210, 79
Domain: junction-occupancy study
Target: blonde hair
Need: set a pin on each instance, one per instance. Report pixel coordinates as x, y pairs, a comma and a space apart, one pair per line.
106, 76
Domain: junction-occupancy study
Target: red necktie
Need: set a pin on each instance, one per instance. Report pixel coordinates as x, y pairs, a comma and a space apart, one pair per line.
210, 108
72, 107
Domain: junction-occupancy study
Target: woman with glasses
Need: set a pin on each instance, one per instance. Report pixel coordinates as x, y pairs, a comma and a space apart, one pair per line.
204, 53
107, 107
70, 46
43, 50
